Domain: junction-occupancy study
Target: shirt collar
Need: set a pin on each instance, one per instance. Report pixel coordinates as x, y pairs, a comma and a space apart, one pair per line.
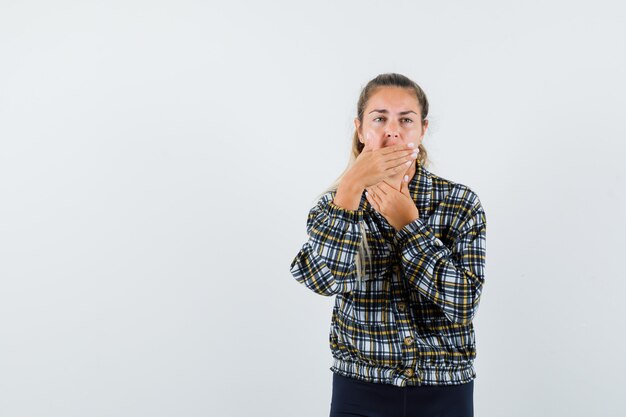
420, 188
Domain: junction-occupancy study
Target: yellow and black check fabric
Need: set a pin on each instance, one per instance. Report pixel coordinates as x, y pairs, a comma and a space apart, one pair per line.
408, 321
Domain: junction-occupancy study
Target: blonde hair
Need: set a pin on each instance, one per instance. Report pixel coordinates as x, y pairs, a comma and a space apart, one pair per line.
382, 80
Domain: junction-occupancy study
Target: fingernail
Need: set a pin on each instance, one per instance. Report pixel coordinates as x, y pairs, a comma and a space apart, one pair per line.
406, 177
411, 144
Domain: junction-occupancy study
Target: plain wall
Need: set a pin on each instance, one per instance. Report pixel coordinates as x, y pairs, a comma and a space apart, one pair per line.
158, 160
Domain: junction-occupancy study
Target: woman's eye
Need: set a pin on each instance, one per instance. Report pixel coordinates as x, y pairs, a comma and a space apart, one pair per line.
402, 119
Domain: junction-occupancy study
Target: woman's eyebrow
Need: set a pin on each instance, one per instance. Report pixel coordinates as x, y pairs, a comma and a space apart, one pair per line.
385, 111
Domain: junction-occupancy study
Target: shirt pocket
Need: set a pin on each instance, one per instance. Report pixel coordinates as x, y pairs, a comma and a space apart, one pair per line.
381, 254
454, 340
460, 337
371, 296
373, 343
371, 304
343, 330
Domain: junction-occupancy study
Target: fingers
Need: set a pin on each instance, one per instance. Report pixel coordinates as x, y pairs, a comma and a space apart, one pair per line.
376, 191
398, 147
404, 187
402, 160
383, 188
405, 155
378, 164
398, 168
402, 164
373, 200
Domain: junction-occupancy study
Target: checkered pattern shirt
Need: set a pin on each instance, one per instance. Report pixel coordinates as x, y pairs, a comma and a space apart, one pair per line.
408, 321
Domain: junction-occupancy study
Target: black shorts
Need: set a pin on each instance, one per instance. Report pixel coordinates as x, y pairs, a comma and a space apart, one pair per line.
353, 397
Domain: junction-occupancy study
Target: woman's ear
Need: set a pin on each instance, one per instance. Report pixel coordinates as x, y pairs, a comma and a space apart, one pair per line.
357, 126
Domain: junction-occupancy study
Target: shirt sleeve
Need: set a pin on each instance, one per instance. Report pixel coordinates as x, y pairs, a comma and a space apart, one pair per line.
326, 262
452, 278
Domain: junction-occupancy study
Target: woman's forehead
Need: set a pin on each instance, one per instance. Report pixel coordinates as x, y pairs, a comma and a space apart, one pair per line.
392, 99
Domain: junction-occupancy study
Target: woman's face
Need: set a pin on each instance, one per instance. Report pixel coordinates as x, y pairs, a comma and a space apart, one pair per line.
391, 116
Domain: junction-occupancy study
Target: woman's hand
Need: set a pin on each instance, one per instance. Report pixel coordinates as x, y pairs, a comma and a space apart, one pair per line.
375, 165
397, 207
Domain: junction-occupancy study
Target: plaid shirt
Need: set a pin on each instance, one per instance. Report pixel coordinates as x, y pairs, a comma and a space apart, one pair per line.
409, 321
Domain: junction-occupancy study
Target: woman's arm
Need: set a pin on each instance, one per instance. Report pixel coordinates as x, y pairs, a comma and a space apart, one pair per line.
349, 193
326, 262
452, 278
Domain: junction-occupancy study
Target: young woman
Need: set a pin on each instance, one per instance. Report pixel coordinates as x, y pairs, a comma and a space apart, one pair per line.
403, 251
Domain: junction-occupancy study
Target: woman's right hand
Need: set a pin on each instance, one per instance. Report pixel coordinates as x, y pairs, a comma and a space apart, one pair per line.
375, 165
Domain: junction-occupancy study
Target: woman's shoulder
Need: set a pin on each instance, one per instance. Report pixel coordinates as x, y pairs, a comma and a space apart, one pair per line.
324, 197
453, 192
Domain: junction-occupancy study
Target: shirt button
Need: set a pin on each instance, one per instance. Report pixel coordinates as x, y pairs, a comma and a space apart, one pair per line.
408, 372
408, 340
401, 306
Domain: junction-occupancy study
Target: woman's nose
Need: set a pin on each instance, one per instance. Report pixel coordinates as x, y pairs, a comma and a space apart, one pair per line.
391, 138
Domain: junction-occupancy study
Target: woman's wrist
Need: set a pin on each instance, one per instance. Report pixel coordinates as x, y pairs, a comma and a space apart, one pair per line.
348, 195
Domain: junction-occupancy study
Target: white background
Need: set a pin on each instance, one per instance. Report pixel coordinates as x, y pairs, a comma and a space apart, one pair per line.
158, 160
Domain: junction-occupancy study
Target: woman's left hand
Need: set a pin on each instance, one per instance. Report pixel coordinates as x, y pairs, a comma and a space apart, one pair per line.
396, 206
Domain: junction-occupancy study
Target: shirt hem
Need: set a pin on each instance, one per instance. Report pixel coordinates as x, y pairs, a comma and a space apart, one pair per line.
433, 375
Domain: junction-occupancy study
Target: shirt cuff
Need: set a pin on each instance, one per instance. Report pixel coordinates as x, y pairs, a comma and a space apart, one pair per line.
345, 214
419, 233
